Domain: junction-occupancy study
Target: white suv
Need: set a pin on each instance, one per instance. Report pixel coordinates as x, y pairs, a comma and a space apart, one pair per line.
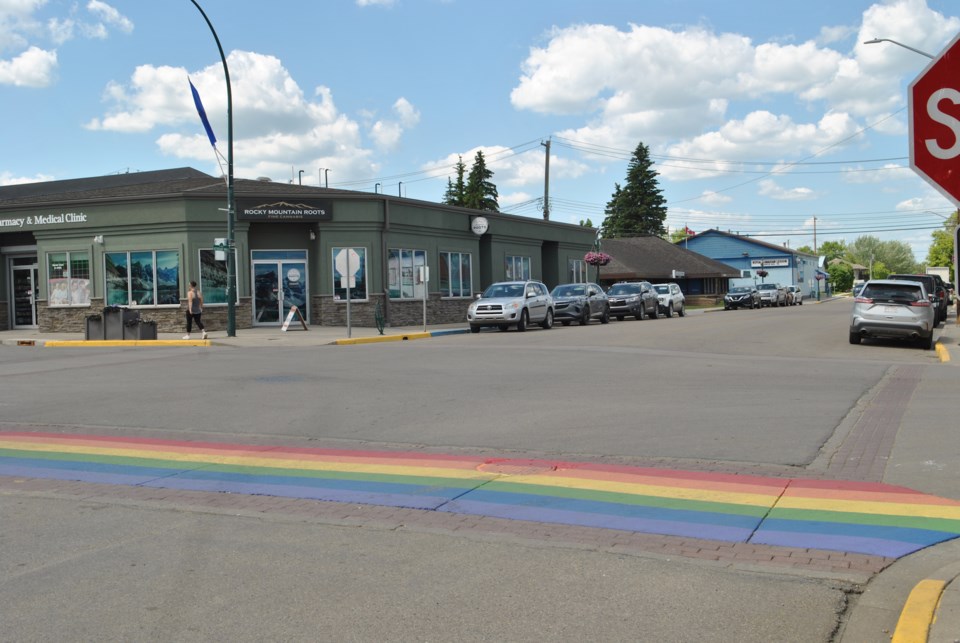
670, 298
512, 303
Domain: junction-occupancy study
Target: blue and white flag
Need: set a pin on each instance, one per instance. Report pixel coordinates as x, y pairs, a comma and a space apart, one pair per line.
203, 113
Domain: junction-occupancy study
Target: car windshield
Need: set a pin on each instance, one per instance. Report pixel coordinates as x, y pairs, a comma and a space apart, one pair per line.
503, 290
892, 292
663, 290
576, 290
623, 289
767, 287
740, 289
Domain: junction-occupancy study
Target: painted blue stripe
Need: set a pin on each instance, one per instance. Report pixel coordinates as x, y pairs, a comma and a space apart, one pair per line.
76, 475
613, 509
305, 492
367, 486
90, 467
657, 525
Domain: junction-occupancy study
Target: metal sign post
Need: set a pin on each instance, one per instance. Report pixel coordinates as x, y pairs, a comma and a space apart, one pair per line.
423, 274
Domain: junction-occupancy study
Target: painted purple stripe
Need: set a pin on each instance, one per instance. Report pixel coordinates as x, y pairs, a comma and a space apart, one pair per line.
584, 519
295, 491
77, 475
858, 544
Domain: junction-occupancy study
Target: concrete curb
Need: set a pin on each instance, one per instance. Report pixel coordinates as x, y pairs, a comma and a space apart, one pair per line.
74, 343
398, 338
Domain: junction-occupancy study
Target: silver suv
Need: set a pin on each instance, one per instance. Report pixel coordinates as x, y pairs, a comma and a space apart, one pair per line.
772, 295
512, 303
671, 299
893, 308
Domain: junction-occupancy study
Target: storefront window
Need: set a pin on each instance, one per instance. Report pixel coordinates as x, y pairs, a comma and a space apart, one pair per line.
68, 279
213, 278
356, 259
455, 274
517, 268
577, 271
404, 273
149, 278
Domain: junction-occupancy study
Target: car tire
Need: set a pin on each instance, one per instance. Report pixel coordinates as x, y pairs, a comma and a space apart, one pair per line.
585, 317
474, 329
854, 337
683, 311
524, 319
925, 343
605, 318
800, 303
547, 322
669, 312
655, 312
643, 312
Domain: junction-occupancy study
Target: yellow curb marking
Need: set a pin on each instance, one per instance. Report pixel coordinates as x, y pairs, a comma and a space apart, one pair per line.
72, 343
942, 352
918, 612
383, 338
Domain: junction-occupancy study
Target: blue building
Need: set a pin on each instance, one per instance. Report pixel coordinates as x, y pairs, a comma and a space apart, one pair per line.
752, 257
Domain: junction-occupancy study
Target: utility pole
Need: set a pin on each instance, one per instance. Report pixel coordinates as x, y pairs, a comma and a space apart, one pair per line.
546, 183
814, 235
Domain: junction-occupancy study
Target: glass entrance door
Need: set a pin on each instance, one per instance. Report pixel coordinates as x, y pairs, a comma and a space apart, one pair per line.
25, 291
278, 285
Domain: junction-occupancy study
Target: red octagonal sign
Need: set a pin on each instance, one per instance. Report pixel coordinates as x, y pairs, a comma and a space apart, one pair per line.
935, 122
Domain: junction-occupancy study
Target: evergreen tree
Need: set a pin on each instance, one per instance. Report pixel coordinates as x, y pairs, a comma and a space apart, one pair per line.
638, 208
456, 192
480, 193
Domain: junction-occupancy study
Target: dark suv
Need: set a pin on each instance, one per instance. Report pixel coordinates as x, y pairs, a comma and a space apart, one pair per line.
934, 286
637, 298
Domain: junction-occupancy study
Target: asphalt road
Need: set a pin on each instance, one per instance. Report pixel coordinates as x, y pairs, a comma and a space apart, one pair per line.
767, 387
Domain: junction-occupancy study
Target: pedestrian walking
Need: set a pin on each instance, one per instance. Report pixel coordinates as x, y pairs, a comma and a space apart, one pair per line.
194, 310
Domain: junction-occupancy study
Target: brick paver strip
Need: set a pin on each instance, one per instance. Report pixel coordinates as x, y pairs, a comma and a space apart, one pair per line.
333, 513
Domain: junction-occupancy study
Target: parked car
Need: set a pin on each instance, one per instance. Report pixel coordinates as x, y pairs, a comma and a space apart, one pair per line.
511, 303
893, 308
635, 298
937, 293
794, 296
670, 299
858, 288
742, 297
580, 303
772, 295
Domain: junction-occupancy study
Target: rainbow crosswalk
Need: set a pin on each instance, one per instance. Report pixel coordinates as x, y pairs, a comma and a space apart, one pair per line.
868, 518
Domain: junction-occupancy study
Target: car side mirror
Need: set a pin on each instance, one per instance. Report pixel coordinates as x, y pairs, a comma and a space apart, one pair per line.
479, 295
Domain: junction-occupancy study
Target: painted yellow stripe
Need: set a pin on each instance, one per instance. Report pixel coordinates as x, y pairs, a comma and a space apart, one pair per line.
381, 338
662, 491
867, 507
942, 351
254, 461
918, 612
68, 343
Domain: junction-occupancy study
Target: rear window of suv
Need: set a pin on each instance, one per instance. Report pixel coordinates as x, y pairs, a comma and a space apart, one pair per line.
905, 293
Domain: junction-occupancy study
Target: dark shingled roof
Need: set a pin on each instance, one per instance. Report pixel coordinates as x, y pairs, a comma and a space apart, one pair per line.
162, 183
653, 259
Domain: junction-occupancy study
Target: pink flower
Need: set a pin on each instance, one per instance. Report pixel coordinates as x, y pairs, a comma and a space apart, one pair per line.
597, 258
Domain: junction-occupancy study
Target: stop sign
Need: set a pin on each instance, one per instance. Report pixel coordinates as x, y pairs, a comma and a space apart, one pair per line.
934, 100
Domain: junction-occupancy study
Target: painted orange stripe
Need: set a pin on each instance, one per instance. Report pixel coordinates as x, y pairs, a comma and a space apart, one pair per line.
743, 486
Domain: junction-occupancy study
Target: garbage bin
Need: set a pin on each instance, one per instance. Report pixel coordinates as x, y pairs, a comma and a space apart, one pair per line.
94, 328
115, 319
137, 329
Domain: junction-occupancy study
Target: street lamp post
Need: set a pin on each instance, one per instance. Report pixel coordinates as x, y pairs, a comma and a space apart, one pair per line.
879, 40
231, 210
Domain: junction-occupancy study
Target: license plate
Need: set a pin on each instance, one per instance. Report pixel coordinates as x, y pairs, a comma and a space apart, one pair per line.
891, 309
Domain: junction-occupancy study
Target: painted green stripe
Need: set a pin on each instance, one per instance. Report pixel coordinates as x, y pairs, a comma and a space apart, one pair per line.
423, 481
617, 497
853, 518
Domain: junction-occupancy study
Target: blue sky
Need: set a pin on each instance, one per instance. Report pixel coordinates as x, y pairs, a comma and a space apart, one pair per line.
760, 116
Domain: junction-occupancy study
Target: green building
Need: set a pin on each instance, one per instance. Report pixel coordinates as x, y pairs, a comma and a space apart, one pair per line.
68, 249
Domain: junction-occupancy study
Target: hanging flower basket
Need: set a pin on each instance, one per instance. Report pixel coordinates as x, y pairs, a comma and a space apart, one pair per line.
597, 258
762, 273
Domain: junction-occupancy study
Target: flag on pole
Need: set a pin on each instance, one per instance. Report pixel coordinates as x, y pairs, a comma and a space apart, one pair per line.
203, 114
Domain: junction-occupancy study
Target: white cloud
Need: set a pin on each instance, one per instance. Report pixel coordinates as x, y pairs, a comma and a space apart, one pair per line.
715, 198
387, 133
769, 188
8, 179
32, 68
110, 16
375, 3
276, 125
